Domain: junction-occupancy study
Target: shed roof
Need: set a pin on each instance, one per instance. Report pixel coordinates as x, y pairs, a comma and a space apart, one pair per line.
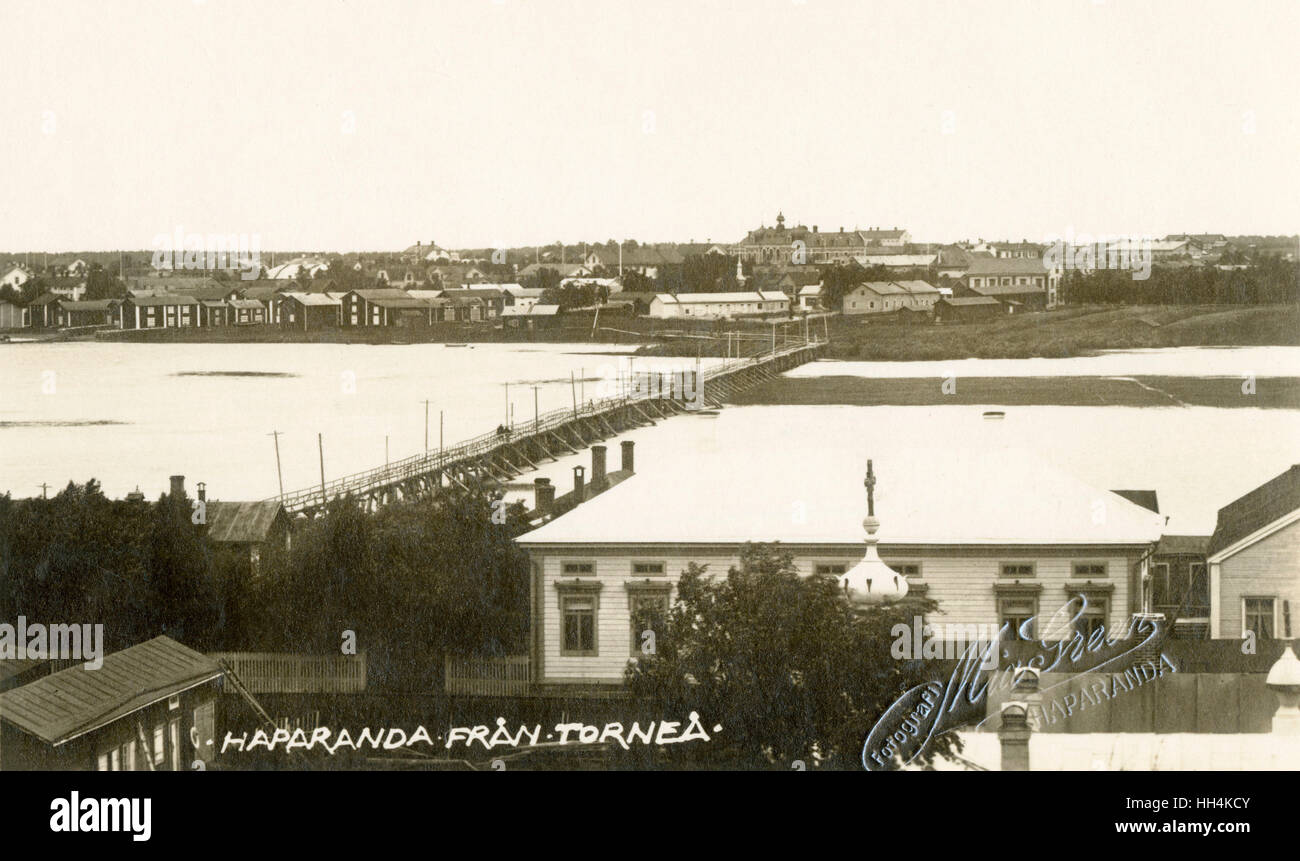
242, 522
69, 703
1271, 501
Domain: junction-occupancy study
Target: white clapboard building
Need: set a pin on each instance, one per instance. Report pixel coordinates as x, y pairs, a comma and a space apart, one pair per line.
993, 536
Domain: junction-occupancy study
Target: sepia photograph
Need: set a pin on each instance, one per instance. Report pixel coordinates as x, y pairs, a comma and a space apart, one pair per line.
397, 390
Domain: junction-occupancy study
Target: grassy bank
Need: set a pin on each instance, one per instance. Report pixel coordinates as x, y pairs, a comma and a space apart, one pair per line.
1072, 331
1139, 391
1064, 332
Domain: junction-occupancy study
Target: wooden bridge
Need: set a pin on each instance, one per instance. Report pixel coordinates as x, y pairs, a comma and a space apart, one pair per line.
492, 458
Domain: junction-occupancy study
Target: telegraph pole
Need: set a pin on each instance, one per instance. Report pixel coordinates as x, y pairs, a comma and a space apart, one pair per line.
44, 487
320, 445
536, 415
278, 473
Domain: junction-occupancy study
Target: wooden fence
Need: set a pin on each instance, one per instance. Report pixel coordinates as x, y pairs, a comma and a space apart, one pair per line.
285, 673
1172, 703
509, 676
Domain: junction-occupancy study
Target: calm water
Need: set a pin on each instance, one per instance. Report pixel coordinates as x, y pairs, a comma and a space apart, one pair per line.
134, 414
191, 409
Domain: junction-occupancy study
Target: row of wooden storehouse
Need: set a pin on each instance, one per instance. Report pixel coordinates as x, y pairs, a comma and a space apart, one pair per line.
222, 306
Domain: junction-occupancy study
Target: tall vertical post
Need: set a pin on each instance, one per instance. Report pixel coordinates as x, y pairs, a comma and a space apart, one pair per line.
537, 416
320, 446
426, 427
573, 391
440, 451
278, 473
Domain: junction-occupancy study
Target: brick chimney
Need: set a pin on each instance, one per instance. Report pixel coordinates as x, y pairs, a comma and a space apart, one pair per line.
543, 496
178, 486
597, 465
579, 484
629, 461
203, 491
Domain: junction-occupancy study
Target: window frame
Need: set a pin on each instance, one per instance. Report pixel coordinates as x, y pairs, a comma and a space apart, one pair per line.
589, 590
645, 592
1245, 615
1032, 566
1076, 564
1014, 630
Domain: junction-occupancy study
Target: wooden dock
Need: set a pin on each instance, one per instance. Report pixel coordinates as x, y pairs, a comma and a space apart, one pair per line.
492, 458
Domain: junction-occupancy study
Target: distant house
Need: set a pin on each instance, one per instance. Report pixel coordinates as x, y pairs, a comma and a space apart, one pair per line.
69, 289
246, 312
895, 238
966, 309
810, 298
517, 296
564, 270
14, 316
359, 308
1180, 584
898, 260
95, 312
158, 312
531, 316
43, 311
1254, 561
1024, 280
151, 707
875, 297
250, 528
719, 305
15, 276
307, 310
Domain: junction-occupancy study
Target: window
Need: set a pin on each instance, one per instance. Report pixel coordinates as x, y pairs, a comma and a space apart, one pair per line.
1259, 617
647, 611
1089, 570
174, 736
159, 750
907, 569
1017, 614
1017, 569
578, 612
1092, 618
103, 762
647, 568
830, 569
575, 568
115, 759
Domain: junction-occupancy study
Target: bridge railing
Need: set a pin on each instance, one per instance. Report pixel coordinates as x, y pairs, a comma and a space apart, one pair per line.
421, 464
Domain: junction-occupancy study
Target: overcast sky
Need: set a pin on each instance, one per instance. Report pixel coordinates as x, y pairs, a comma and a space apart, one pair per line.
345, 126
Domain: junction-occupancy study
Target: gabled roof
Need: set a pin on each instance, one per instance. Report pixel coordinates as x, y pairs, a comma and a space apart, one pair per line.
1145, 498
1182, 545
245, 303
984, 265
372, 293
1008, 289
962, 301
1271, 501
66, 704
175, 299
982, 497
242, 522
313, 298
89, 304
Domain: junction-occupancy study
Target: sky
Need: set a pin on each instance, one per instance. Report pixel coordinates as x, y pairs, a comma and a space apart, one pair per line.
337, 126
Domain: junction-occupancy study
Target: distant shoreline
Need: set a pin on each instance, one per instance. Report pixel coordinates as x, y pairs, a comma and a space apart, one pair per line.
1133, 390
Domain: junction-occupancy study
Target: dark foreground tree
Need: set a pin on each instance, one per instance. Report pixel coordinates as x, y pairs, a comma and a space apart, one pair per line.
786, 667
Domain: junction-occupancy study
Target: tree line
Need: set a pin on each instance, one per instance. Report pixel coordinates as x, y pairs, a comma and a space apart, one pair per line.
413, 581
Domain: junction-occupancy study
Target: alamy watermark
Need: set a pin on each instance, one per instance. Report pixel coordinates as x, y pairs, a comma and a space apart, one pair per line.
52, 642
1085, 253
181, 250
